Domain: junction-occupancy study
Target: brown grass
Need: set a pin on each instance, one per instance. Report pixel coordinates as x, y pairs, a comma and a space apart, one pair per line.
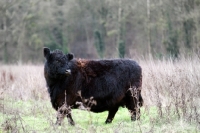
23, 82
173, 87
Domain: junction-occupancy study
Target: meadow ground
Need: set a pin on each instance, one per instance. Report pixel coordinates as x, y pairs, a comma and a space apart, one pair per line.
171, 92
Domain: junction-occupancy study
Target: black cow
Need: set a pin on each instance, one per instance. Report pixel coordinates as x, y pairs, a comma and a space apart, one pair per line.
98, 85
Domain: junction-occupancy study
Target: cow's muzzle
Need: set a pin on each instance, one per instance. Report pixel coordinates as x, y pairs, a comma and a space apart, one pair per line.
68, 72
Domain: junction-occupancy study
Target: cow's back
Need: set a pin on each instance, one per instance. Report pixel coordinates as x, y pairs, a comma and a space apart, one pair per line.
110, 82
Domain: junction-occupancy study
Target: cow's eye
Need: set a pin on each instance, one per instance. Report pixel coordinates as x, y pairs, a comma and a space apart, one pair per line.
57, 61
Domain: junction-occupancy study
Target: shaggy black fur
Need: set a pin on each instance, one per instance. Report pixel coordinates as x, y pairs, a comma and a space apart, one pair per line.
111, 83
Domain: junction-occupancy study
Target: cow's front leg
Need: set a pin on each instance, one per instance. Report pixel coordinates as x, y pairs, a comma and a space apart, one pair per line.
70, 120
63, 111
60, 117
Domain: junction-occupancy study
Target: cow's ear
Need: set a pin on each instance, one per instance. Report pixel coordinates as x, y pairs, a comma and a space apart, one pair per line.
70, 56
46, 52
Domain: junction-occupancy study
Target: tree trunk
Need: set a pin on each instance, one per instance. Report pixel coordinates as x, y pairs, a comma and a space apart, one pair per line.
5, 58
148, 28
120, 39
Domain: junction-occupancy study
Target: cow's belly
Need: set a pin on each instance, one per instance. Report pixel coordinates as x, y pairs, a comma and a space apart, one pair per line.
105, 106
98, 109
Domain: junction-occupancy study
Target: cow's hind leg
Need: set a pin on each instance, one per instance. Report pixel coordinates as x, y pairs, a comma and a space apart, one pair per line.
133, 104
111, 114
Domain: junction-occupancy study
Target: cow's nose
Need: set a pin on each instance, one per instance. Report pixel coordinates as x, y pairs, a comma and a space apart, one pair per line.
68, 72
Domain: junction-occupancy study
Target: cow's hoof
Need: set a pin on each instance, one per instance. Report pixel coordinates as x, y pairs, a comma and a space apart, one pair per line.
108, 121
58, 124
72, 123
133, 118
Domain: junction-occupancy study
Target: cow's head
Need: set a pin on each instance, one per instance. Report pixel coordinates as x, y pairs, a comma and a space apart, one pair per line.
57, 64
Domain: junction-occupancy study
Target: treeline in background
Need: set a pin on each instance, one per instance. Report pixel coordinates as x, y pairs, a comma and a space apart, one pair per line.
99, 28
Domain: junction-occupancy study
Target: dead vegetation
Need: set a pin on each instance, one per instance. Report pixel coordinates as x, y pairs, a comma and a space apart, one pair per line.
23, 82
171, 87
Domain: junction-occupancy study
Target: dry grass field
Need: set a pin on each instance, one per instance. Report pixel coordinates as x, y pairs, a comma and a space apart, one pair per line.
171, 92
